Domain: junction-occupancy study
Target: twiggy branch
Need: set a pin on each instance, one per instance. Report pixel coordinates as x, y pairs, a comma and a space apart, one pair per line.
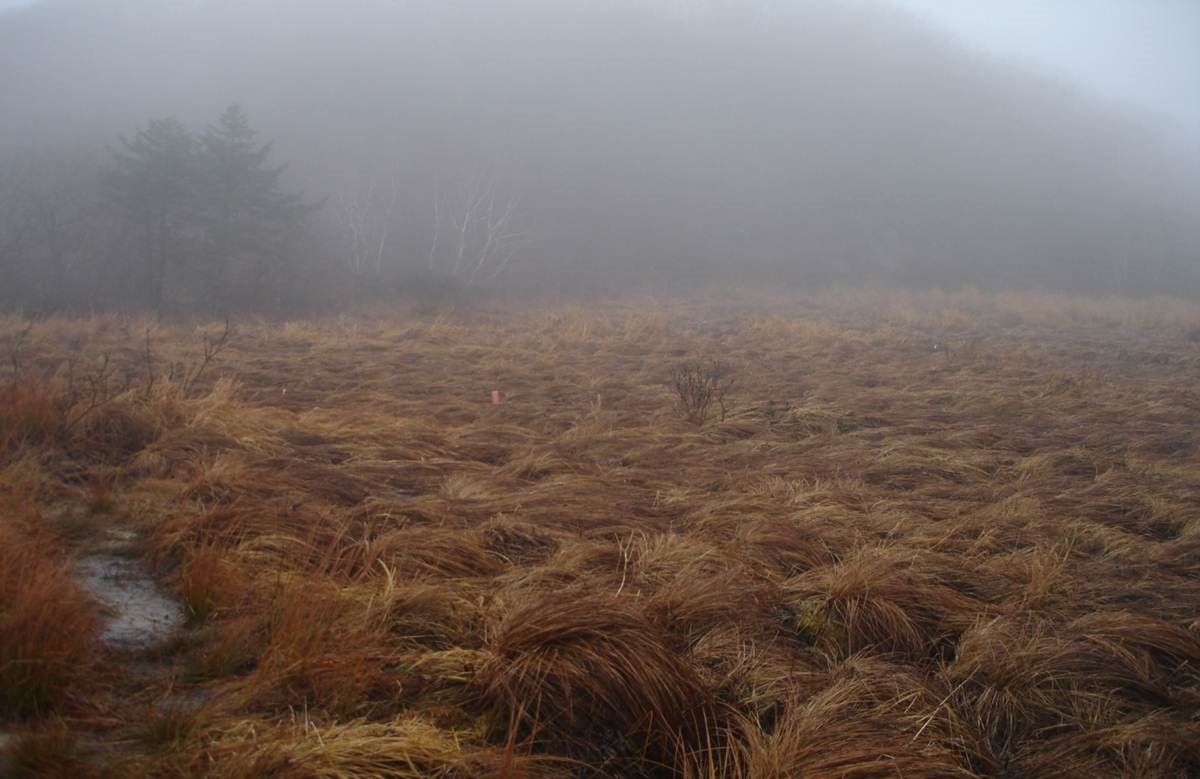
212, 348
151, 376
16, 346
93, 391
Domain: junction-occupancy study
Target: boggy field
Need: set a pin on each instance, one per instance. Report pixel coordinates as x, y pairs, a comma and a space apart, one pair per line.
923, 535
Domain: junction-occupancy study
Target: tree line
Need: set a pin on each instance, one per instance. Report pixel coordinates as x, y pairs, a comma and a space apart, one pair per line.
564, 145
172, 219
206, 214
175, 220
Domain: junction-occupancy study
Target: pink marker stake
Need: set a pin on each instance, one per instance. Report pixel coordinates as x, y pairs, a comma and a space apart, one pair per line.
495, 397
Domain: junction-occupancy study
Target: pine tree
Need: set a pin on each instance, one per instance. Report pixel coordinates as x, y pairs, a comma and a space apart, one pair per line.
250, 225
209, 214
154, 186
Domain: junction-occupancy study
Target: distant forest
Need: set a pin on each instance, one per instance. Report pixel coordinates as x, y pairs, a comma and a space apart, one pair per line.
214, 156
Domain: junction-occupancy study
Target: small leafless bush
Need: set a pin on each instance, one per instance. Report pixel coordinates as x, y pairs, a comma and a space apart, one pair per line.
699, 387
53, 399
37, 407
14, 345
186, 375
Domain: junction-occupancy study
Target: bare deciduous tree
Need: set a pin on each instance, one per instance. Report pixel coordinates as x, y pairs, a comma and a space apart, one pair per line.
366, 210
483, 232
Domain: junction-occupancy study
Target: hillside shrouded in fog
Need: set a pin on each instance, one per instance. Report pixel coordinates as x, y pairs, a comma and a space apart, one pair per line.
762, 142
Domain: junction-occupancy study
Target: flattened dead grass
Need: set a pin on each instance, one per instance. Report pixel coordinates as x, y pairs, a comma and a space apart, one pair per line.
935, 535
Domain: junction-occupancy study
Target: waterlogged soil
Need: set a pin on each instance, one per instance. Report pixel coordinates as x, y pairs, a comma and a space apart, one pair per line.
139, 614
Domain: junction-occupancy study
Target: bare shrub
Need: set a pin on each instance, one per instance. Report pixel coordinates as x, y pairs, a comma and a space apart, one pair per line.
93, 400
699, 386
37, 408
186, 375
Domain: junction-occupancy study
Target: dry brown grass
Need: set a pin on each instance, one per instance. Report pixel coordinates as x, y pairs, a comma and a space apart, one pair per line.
48, 627
933, 535
593, 678
28, 415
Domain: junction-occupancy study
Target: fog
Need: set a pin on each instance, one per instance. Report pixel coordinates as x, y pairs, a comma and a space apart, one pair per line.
1142, 53
581, 145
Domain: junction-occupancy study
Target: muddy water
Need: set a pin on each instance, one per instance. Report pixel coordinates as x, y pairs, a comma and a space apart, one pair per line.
139, 613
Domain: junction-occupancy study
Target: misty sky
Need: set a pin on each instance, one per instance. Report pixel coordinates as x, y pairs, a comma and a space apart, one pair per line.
1143, 52
1138, 52
1017, 144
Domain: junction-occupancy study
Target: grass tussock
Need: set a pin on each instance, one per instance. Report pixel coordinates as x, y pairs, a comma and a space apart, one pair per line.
1021, 687
876, 601
48, 626
321, 649
354, 749
920, 535
28, 415
50, 751
593, 678
843, 732
207, 584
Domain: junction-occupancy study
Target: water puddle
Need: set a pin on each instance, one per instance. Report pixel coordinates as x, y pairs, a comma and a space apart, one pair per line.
139, 614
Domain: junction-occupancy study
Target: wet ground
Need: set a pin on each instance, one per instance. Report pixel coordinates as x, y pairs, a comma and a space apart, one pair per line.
139, 613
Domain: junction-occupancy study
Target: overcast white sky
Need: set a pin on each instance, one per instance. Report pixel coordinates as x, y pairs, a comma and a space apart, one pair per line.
1142, 52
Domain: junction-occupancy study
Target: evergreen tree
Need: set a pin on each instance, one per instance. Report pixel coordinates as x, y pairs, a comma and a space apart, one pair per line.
153, 185
209, 214
250, 225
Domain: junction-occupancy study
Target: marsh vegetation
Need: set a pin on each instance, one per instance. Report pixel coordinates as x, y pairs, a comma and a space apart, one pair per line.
933, 535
